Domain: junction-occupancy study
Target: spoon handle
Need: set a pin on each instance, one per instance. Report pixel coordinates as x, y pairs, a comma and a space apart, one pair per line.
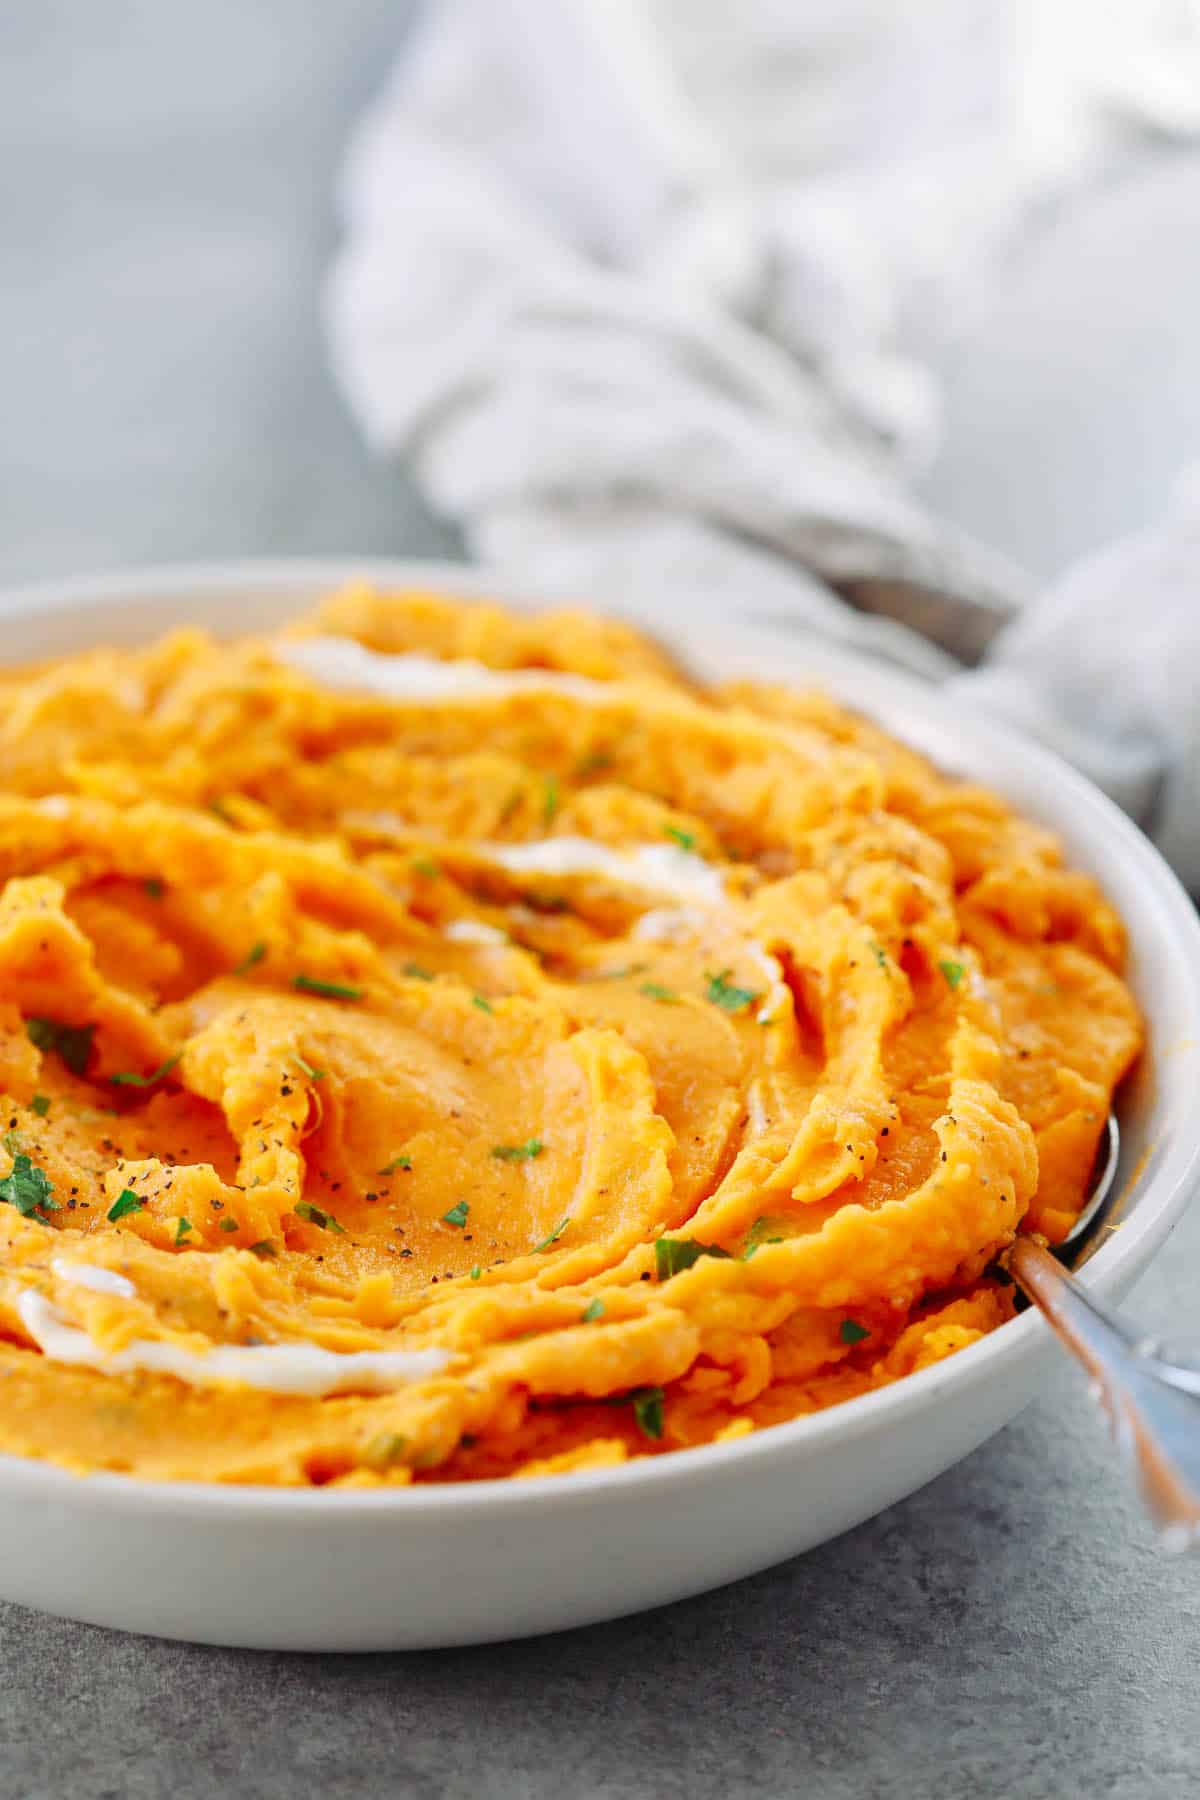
1156, 1424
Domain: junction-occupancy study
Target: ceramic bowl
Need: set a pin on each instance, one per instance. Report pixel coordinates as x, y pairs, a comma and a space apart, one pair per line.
320, 1570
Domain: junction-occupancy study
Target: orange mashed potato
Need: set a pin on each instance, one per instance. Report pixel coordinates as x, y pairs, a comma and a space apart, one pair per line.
439, 1043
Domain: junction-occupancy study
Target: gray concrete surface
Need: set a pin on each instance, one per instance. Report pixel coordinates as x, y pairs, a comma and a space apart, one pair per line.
1007, 1632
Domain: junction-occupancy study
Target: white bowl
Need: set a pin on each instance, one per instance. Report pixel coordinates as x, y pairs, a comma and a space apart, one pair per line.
321, 1570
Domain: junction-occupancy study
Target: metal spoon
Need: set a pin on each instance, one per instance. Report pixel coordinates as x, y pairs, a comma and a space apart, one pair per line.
1150, 1394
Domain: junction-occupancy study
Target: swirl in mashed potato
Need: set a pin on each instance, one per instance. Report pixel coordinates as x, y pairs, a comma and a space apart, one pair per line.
440, 1043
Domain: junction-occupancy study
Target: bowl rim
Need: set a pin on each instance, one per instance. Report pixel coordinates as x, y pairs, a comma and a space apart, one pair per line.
1169, 1188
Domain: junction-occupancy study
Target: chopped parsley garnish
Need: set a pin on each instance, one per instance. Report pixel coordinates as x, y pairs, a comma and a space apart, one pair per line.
265, 1250
13, 1142
126, 1202
228, 1225
127, 1078
307, 1069
476, 1272
851, 1332
685, 839
724, 994
182, 1227
304, 1209
28, 1188
425, 865
384, 1449
953, 971
40, 1104
591, 1312
457, 1214
554, 1235
397, 1162
483, 1005
328, 990
756, 1237
880, 955
518, 1152
654, 990
254, 954
154, 887
72, 1042
648, 1410
673, 1255
417, 972
552, 800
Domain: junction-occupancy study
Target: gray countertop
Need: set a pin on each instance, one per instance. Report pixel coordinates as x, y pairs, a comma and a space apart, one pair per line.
1009, 1630
1006, 1632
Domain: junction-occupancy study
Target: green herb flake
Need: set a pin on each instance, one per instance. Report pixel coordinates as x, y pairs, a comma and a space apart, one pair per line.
328, 990
13, 1142
654, 990
425, 865
254, 955
518, 1152
307, 1069
851, 1332
126, 1202
476, 1272
552, 800
953, 971
880, 955
723, 993
397, 1162
384, 1449
554, 1236
673, 1255
182, 1227
648, 1411
265, 1250
228, 1225
417, 972
483, 1005
127, 1077
304, 1209
592, 1312
457, 1214
28, 1188
40, 1104
756, 1237
685, 839
73, 1043
154, 887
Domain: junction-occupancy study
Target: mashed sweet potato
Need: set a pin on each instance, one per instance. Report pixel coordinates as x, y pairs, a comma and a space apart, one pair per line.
439, 1043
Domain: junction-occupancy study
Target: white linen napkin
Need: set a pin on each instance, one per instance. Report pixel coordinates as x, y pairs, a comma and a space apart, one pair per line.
600, 288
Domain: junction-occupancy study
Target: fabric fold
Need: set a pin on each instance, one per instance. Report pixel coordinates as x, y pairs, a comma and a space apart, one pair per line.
641, 297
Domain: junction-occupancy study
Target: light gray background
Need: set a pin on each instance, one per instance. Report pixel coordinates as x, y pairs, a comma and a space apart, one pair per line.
166, 210
165, 175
